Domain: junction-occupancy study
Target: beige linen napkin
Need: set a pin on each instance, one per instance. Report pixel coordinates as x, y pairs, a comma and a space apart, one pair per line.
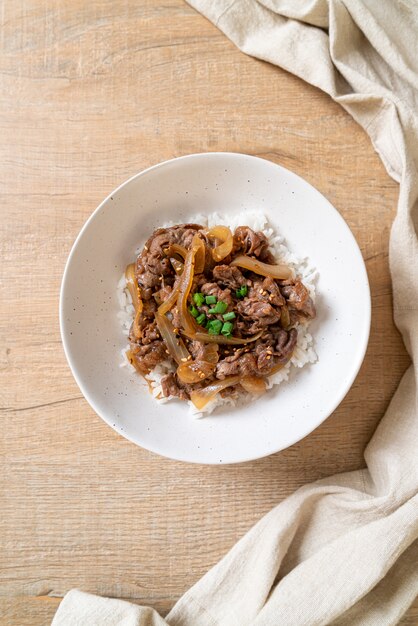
343, 550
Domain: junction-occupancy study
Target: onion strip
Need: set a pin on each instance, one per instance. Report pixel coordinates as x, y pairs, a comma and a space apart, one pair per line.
285, 317
171, 300
135, 326
281, 272
175, 345
280, 365
224, 235
181, 251
131, 356
132, 285
186, 320
195, 371
175, 248
201, 397
199, 265
253, 384
220, 339
178, 266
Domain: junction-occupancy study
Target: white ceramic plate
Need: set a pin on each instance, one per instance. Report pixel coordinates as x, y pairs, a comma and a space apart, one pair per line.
175, 190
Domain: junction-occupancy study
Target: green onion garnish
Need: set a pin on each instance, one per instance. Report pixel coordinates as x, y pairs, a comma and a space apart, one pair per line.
214, 327
193, 311
229, 316
199, 298
201, 319
226, 329
242, 291
220, 307
210, 299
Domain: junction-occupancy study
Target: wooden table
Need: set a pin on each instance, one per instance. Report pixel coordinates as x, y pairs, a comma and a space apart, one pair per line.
91, 93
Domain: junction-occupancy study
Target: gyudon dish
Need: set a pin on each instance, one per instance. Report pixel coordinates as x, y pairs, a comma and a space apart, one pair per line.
215, 314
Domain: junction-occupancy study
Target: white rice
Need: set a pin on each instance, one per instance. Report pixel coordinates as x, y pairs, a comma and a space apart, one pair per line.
304, 352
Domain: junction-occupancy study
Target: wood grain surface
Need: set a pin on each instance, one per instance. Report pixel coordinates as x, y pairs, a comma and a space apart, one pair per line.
91, 93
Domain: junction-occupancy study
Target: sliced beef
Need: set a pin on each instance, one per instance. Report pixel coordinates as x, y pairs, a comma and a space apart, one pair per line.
264, 349
278, 350
242, 362
147, 356
256, 310
228, 276
163, 294
247, 241
244, 365
170, 387
147, 318
150, 334
213, 289
203, 351
285, 343
149, 309
274, 295
274, 348
152, 264
298, 298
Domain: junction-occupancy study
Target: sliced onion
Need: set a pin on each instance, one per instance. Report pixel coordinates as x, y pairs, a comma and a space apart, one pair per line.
210, 353
285, 317
175, 248
131, 356
254, 385
135, 326
186, 320
171, 300
175, 345
199, 265
264, 269
220, 339
224, 235
177, 265
132, 285
201, 397
278, 367
195, 371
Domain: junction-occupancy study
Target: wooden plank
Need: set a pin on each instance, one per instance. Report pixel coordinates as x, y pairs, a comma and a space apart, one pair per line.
90, 94
39, 611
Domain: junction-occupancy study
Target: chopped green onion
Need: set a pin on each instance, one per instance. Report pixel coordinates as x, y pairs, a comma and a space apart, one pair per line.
226, 329
212, 312
193, 311
199, 298
242, 291
229, 316
220, 307
210, 299
214, 327
201, 319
